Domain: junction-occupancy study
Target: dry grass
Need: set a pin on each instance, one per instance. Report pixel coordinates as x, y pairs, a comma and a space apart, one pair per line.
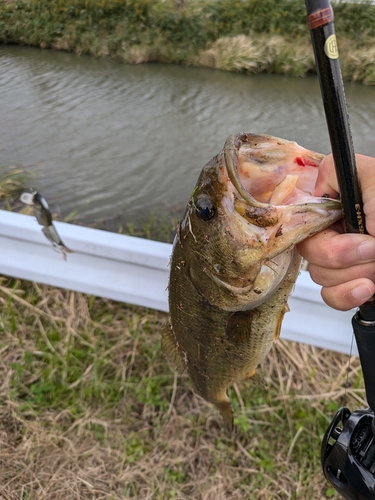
241, 53
259, 53
358, 63
277, 54
91, 410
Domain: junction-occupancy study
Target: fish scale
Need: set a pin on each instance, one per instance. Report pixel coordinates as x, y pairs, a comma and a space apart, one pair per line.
234, 262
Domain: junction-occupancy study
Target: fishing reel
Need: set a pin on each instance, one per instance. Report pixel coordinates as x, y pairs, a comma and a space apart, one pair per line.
348, 447
348, 454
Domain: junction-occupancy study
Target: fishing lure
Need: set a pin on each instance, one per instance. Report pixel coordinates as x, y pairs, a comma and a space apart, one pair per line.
44, 217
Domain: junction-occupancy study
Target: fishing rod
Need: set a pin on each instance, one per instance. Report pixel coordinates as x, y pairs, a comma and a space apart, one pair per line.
348, 447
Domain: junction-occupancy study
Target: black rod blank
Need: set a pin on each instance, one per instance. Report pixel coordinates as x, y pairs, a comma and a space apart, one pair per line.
320, 22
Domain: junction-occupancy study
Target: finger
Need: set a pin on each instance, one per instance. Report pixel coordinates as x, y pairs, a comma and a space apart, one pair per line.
329, 249
326, 183
332, 277
348, 295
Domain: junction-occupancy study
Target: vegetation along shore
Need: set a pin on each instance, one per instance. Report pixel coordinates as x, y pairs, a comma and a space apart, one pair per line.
244, 35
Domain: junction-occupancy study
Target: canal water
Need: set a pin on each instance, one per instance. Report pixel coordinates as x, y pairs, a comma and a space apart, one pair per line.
109, 139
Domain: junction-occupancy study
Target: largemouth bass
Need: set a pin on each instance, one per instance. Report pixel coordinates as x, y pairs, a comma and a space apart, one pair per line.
234, 262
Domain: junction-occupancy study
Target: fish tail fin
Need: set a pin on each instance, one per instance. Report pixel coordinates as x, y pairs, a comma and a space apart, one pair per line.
169, 347
226, 411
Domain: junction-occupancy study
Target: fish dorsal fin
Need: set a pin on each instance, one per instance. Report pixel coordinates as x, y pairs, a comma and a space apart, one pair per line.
169, 346
239, 326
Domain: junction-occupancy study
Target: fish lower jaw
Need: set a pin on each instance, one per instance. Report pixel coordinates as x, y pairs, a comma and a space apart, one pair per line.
269, 278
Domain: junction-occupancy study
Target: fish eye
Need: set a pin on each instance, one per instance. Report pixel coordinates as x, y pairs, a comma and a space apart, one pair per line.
204, 208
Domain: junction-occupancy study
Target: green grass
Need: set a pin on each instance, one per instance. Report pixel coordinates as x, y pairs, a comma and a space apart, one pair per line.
12, 182
90, 409
273, 33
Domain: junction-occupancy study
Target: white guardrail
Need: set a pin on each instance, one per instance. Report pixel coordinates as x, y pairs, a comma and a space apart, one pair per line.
135, 270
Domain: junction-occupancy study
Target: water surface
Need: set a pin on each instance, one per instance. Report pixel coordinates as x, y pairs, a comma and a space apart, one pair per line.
108, 138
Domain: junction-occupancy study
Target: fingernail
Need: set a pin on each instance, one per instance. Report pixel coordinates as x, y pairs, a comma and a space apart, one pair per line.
366, 250
362, 292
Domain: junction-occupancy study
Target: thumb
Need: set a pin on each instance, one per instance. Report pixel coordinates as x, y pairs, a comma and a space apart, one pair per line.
326, 182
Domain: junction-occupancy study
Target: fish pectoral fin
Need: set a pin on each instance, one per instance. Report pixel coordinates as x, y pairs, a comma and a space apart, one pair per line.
169, 347
238, 328
279, 323
256, 379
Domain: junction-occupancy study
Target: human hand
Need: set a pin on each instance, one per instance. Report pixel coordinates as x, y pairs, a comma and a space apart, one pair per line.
343, 263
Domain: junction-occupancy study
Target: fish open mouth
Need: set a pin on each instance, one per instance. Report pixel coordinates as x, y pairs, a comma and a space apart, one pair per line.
268, 171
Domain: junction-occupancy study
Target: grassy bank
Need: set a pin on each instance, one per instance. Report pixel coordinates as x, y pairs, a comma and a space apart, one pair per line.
90, 409
247, 35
